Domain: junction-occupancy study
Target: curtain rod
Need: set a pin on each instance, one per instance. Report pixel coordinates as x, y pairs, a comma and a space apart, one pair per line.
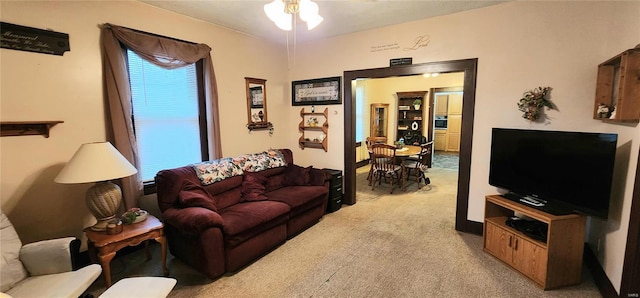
153, 34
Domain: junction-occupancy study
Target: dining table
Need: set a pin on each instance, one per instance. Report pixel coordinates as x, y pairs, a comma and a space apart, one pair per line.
402, 154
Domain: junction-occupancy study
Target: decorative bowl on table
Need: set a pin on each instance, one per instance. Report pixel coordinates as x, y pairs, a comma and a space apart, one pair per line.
134, 215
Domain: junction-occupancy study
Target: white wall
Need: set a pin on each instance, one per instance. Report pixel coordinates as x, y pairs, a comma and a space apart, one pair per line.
519, 45
69, 88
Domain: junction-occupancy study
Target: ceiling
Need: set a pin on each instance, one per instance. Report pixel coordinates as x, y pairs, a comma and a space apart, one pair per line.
340, 17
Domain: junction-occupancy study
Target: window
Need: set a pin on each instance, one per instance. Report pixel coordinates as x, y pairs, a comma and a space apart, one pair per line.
168, 116
360, 122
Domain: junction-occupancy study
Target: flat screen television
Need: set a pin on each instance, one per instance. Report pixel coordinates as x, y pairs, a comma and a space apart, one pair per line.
556, 171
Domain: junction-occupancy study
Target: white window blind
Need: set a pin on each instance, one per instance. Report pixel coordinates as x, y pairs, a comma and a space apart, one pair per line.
165, 115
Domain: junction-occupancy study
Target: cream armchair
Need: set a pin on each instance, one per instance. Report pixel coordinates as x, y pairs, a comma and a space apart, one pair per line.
40, 269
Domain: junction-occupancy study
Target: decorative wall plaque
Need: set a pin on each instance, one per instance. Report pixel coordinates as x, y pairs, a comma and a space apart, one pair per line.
29, 39
400, 61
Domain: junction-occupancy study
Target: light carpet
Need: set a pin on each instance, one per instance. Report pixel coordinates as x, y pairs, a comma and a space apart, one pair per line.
400, 245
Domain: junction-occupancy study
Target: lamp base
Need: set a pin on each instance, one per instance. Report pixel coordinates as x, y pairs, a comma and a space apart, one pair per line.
101, 225
103, 201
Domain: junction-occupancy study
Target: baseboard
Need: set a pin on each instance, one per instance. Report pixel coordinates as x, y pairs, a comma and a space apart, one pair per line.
599, 276
474, 227
362, 163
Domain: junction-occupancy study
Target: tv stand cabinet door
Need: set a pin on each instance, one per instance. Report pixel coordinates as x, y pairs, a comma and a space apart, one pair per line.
530, 259
498, 242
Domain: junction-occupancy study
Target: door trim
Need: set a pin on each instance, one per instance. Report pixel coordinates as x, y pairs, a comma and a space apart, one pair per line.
469, 67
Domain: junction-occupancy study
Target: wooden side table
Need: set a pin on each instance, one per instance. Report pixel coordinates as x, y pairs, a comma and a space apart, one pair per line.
133, 234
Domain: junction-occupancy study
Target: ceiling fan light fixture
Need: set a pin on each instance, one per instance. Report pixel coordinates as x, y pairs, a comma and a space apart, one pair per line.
277, 13
281, 13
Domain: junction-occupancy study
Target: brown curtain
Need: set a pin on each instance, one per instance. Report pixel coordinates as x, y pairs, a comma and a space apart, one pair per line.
164, 52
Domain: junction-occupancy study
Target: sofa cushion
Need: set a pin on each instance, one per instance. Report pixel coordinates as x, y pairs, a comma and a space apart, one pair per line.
296, 175
253, 186
193, 195
299, 197
247, 219
226, 192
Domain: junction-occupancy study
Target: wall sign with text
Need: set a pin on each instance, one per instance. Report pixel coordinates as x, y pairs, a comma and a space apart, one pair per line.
30, 39
325, 91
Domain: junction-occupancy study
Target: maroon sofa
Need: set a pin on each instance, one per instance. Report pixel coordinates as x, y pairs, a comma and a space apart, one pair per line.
224, 226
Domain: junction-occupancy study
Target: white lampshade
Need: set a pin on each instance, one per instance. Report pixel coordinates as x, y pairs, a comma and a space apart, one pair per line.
98, 162
95, 162
276, 12
314, 21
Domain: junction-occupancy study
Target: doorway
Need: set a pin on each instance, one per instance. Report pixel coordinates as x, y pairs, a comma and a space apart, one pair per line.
445, 129
469, 67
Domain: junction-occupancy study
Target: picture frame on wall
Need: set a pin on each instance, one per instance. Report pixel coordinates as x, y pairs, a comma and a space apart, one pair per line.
257, 98
323, 91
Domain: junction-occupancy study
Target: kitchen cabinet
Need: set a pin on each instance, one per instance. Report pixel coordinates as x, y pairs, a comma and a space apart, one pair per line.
441, 105
454, 129
440, 140
455, 104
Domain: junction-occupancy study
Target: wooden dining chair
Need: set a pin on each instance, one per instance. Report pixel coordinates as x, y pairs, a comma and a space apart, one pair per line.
419, 166
370, 141
384, 165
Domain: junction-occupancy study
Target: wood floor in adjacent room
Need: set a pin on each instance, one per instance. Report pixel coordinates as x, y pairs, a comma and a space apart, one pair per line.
386, 245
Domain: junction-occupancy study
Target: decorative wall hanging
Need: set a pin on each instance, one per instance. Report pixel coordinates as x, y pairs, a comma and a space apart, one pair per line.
16, 37
325, 91
533, 102
400, 61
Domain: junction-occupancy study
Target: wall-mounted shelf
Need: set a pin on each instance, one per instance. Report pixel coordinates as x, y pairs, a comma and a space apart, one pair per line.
27, 128
303, 127
618, 88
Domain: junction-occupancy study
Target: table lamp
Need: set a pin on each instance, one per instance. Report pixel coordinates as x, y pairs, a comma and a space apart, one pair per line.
98, 162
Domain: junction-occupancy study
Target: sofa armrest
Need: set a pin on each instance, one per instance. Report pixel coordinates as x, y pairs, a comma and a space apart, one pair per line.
48, 256
192, 220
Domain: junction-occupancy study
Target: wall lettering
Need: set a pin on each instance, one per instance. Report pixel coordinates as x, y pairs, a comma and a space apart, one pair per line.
417, 43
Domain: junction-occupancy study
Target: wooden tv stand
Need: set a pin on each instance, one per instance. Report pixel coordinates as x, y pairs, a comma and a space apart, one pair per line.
553, 264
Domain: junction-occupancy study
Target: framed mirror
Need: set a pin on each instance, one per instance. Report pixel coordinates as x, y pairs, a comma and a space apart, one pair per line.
257, 104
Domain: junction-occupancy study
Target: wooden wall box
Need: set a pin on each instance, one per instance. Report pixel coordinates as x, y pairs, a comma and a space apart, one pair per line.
618, 85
